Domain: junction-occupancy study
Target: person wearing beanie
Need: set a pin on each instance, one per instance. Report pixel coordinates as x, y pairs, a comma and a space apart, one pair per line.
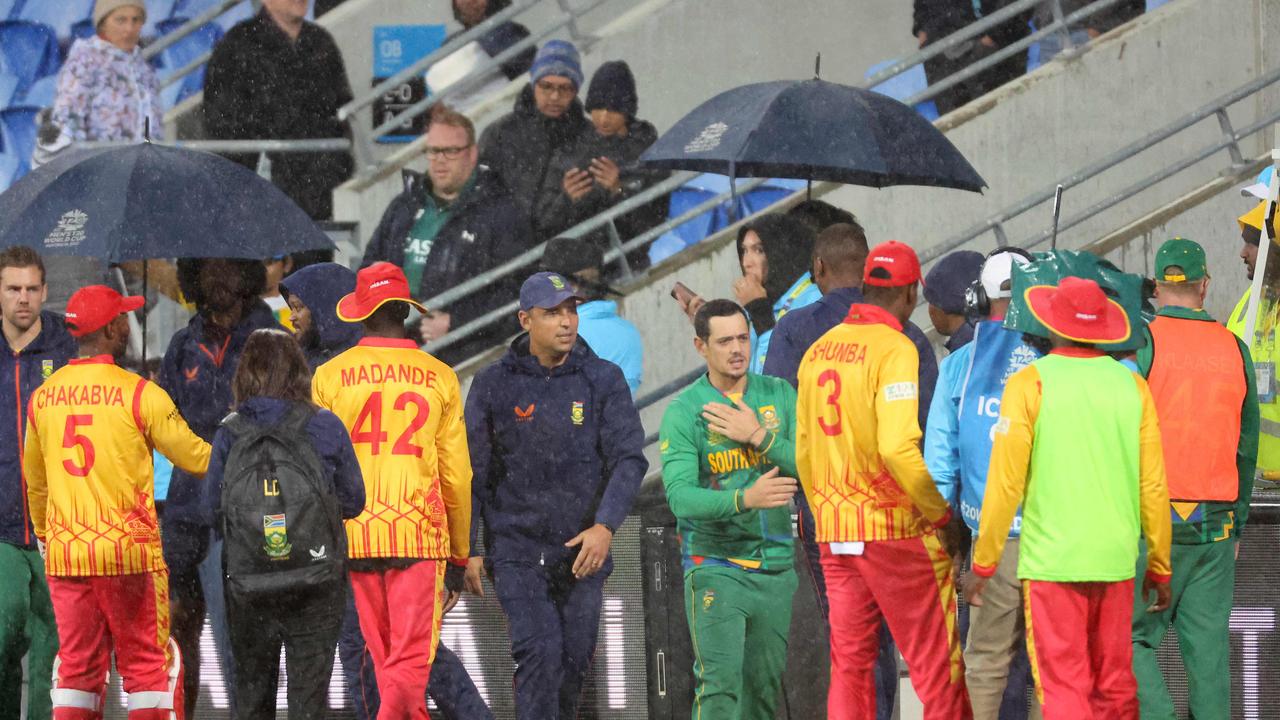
106, 90
944, 288
545, 126
603, 169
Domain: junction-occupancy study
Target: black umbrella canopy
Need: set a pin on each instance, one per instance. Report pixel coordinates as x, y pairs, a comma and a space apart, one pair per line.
153, 201
813, 130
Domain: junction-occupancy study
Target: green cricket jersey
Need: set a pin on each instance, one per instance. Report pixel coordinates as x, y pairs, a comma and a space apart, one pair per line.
706, 474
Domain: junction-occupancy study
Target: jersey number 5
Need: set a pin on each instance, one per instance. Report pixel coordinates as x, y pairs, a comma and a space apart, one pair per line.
835, 427
72, 439
374, 435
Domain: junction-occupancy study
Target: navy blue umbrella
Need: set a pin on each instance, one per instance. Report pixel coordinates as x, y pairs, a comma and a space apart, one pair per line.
152, 201
813, 130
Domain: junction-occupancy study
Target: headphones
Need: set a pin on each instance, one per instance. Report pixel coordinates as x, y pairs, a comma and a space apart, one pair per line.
976, 302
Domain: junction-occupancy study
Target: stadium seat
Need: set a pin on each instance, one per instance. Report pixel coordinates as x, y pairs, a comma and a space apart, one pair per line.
30, 51
180, 54
904, 85
18, 126
7, 8
42, 92
82, 29
8, 89
703, 188
1153, 4
57, 14
157, 12
8, 170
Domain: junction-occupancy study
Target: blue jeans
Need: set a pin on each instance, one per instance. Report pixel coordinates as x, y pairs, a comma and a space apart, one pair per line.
886, 670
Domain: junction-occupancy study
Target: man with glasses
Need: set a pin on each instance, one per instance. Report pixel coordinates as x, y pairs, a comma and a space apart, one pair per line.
546, 126
450, 225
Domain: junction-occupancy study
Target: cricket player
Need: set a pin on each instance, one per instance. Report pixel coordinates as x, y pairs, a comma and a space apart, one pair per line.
408, 549
728, 464
90, 430
1202, 381
1078, 446
877, 512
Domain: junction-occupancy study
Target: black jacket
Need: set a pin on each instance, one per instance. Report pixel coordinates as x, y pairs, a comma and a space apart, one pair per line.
940, 18
260, 85
561, 213
553, 451
485, 228
525, 146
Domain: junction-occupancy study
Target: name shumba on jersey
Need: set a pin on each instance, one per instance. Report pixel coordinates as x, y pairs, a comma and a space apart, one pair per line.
91, 427
403, 410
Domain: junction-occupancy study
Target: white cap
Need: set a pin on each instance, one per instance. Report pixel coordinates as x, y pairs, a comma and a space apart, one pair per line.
997, 270
1260, 188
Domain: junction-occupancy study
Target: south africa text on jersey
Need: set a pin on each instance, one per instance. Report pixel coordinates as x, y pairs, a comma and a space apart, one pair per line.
391, 372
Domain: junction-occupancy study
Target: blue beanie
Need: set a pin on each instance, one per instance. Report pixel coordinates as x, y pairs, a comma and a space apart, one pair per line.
557, 57
945, 284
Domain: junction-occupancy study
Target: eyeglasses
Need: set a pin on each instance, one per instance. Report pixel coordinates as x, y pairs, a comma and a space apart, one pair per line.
557, 88
449, 153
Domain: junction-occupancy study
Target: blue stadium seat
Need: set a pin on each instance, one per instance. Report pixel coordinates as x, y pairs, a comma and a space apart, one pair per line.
157, 12
1153, 4
30, 51
83, 29
8, 88
703, 188
18, 126
8, 170
8, 8
42, 92
57, 14
904, 85
180, 54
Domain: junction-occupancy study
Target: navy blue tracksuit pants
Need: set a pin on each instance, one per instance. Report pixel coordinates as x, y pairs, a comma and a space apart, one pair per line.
450, 685
553, 619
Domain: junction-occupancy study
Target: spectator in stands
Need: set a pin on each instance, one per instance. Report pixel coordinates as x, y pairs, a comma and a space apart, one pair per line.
1100, 22
601, 170
934, 20
106, 90
470, 13
35, 342
611, 337
944, 289
774, 251
277, 76
819, 215
839, 255
547, 120
557, 451
196, 372
449, 226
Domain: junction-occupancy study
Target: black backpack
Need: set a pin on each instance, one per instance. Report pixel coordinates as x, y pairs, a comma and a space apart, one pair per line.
281, 521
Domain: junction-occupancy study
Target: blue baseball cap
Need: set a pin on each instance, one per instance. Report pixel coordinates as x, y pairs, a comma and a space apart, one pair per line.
546, 290
1260, 187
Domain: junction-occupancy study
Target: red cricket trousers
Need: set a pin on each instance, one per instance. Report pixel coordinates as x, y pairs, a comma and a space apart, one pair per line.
908, 583
124, 614
400, 617
1081, 649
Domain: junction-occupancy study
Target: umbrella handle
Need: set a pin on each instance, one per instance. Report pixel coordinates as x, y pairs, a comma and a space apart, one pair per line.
1057, 211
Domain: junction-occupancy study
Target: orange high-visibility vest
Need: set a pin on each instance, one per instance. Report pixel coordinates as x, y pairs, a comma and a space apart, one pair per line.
1197, 379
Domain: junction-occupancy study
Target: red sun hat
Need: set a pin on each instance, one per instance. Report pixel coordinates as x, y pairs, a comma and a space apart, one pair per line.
896, 262
1078, 310
94, 307
376, 285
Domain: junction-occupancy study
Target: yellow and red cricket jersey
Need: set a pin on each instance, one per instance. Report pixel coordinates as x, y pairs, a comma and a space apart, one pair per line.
90, 431
857, 433
403, 409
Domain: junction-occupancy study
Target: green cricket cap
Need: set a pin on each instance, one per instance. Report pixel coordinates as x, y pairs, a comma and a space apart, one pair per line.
1180, 260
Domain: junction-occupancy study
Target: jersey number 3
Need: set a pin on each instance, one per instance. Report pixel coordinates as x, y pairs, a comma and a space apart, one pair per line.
835, 427
368, 427
73, 439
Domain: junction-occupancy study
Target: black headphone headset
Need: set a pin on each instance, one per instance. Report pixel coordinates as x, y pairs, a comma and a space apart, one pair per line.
976, 302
